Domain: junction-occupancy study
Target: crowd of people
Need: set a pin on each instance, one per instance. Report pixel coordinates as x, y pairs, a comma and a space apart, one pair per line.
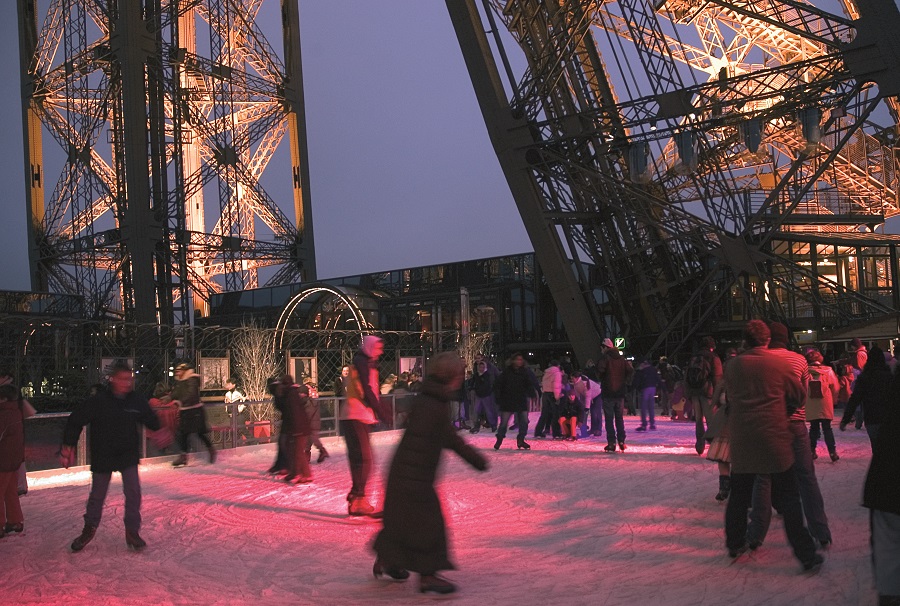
750, 412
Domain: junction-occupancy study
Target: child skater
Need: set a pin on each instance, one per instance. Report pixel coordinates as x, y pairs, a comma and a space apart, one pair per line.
414, 536
569, 414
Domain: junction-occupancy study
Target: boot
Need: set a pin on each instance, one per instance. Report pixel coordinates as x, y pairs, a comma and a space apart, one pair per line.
212, 454
10, 528
498, 443
430, 583
521, 443
724, 488
359, 506
815, 455
84, 538
323, 454
134, 540
381, 572
834, 456
181, 461
610, 448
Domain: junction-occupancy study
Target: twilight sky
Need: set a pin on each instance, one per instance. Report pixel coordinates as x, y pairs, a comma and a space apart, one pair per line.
402, 171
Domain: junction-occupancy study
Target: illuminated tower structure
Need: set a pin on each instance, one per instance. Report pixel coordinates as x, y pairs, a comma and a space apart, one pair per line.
163, 116
706, 155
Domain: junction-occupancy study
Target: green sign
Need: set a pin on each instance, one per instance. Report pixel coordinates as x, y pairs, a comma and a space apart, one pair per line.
619, 342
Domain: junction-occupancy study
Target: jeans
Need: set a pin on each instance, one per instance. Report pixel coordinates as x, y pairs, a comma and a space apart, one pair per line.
814, 429
614, 408
359, 454
131, 487
784, 489
813, 506
597, 416
886, 551
521, 421
488, 406
664, 400
549, 416
648, 406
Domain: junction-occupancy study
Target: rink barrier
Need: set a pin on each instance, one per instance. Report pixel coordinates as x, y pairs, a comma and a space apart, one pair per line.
228, 429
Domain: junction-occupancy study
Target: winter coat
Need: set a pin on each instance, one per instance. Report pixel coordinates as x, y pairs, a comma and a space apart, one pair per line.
12, 435
115, 437
483, 384
187, 391
414, 534
615, 374
295, 418
513, 388
758, 386
882, 489
821, 408
646, 376
363, 391
872, 391
551, 382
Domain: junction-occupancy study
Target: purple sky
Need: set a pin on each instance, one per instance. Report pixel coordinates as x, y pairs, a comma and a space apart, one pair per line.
402, 171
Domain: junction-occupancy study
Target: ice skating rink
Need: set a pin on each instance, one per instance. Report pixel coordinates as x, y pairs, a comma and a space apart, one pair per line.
562, 524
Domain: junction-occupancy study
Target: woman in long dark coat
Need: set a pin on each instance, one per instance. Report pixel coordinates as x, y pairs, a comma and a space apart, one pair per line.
414, 535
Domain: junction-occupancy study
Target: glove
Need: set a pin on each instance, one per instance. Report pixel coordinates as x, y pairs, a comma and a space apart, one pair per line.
162, 439
843, 426
66, 456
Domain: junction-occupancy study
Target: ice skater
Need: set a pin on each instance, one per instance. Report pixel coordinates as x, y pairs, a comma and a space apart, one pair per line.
114, 416
12, 454
191, 415
414, 536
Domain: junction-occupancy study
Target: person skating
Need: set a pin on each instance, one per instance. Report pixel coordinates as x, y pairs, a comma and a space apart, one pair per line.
191, 415
759, 386
295, 423
359, 412
12, 453
615, 373
414, 536
114, 416
513, 389
551, 392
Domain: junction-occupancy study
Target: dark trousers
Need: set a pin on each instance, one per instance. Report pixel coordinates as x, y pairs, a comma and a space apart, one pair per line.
281, 460
549, 416
313, 440
521, 422
193, 420
298, 459
614, 409
359, 454
131, 487
785, 491
597, 416
813, 506
824, 426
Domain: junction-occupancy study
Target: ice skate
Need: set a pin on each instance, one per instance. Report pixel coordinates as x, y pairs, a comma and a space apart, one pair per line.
814, 564
622, 446
134, 540
724, 488
84, 538
522, 444
394, 575
323, 454
434, 584
834, 456
181, 461
610, 448
9, 528
498, 443
359, 506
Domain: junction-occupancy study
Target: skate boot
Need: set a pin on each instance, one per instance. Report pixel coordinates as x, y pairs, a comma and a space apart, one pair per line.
323, 454
610, 448
134, 540
522, 444
359, 506
434, 584
834, 456
181, 461
84, 538
724, 488
498, 443
10, 528
382, 573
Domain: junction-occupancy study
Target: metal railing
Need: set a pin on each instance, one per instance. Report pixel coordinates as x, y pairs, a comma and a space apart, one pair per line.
230, 427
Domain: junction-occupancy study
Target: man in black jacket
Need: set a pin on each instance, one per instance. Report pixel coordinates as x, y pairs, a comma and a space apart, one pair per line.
114, 416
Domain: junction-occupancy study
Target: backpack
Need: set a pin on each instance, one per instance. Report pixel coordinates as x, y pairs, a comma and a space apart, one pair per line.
697, 374
814, 389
